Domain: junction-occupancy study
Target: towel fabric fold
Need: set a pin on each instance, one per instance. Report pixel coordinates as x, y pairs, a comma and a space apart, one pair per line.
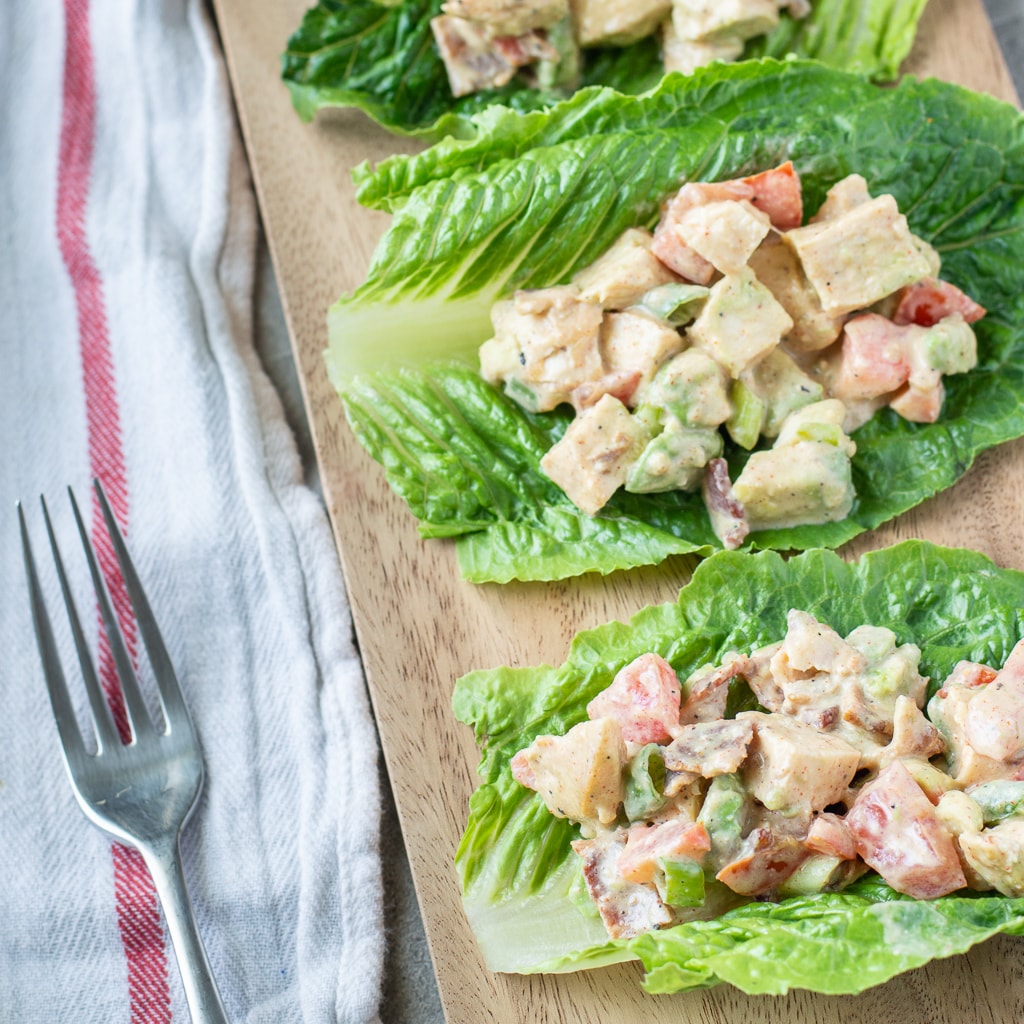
127, 250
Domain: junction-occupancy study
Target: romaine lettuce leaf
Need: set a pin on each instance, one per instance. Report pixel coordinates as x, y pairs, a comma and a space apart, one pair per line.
519, 876
381, 58
530, 199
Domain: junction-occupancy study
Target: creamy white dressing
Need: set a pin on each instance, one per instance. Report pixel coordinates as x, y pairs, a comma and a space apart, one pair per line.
781, 331
767, 804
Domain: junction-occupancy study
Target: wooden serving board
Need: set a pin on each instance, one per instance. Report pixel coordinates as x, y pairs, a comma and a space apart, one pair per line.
420, 626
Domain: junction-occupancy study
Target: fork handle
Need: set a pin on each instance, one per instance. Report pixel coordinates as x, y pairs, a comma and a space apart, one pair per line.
163, 859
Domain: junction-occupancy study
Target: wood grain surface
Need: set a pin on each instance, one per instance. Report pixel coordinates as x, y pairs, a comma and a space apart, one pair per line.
420, 626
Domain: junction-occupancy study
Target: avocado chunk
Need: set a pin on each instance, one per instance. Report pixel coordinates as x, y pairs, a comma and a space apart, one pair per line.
806, 477
691, 387
860, 257
782, 386
674, 459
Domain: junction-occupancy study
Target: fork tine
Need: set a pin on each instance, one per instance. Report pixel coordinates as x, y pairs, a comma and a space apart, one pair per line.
176, 714
102, 722
53, 673
138, 714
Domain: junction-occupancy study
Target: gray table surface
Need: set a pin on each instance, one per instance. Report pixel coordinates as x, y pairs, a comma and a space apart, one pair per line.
410, 990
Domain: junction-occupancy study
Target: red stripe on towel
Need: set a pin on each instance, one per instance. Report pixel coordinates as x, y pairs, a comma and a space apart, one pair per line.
138, 916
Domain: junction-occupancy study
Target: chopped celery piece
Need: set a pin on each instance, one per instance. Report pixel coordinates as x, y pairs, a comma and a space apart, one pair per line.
684, 883
748, 412
677, 304
645, 783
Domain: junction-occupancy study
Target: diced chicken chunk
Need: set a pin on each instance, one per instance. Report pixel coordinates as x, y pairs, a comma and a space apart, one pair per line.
545, 344
723, 233
994, 723
578, 775
686, 55
776, 266
591, 460
668, 244
740, 322
912, 736
792, 766
626, 908
622, 275
715, 19
643, 698
995, 854
899, 834
637, 344
476, 58
813, 646
860, 257
842, 197
509, 17
710, 748
617, 21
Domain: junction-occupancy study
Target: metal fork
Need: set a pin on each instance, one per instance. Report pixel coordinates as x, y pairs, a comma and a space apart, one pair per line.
143, 791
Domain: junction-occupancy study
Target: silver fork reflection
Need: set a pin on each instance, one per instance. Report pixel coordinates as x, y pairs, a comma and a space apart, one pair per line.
142, 791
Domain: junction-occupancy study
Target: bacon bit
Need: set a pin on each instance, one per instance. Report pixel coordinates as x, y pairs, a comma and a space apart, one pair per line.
928, 301
525, 49
621, 385
728, 518
765, 861
710, 748
709, 693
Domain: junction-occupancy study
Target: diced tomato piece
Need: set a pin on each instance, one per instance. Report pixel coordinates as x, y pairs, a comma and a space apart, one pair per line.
644, 699
779, 194
899, 834
928, 301
920, 405
873, 360
521, 770
828, 834
647, 844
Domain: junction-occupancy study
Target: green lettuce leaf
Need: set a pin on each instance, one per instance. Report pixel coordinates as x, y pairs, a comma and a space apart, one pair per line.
520, 879
530, 199
381, 58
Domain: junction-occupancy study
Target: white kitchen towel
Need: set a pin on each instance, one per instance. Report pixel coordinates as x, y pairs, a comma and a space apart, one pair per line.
127, 253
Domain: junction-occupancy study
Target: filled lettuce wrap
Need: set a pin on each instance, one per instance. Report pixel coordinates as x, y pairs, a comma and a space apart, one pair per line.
522, 884
530, 199
383, 59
